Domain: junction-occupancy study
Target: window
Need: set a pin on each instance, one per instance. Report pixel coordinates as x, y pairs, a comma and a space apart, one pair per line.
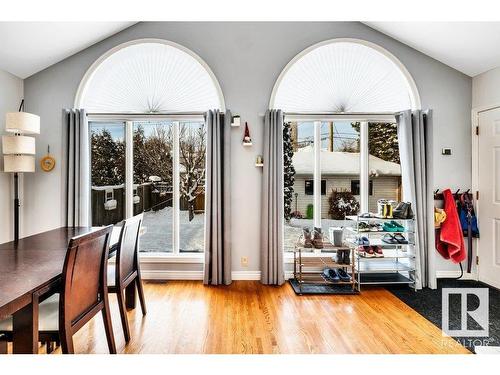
342, 146
355, 187
384, 164
152, 159
309, 187
107, 165
165, 160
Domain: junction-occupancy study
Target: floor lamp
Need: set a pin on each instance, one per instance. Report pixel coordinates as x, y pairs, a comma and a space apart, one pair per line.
19, 151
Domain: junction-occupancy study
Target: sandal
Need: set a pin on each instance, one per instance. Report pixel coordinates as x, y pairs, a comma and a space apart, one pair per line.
389, 227
363, 227
398, 226
400, 238
389, 238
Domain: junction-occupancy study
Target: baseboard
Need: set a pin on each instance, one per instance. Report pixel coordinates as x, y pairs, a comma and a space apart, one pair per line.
245, 275
171, 275
194, 275
454, 275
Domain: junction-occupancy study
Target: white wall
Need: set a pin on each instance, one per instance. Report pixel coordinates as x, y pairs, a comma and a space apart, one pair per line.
486, 89
247, 58
11, 93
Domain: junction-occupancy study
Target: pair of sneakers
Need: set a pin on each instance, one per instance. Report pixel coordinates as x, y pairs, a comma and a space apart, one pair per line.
312, 238
336, 275
370, 251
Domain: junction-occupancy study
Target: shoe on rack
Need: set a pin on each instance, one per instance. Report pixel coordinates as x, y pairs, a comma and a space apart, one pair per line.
389, 227
339, 257
363, 227
365, 252
400, 238
347, 257
389, 238
398, 226
306, 238
331, 275
369, 253
360, 251
363, 241
377, 251
343, 275
317, 238
367, 215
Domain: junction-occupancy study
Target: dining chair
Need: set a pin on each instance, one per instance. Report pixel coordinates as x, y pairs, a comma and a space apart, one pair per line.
127, 269
83, 293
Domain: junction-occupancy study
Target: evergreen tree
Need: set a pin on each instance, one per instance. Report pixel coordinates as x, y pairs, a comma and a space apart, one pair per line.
288, 170
108, 159
383, 140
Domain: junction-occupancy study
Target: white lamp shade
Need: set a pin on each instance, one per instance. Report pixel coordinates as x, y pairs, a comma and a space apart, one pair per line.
20, 145
19, 163
22, 122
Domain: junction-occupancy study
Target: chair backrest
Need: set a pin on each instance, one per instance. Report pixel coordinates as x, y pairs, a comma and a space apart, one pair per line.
84, 276
128, 247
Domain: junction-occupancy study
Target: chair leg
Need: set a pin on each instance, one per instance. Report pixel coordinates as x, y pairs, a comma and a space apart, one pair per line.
3, 346
108, 327
67, 342
49, 347
140, 291
123, 314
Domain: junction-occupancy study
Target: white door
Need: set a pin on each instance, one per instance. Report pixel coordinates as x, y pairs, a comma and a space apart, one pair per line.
489, 197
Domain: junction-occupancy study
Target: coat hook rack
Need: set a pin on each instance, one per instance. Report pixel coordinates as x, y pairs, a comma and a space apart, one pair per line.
438, 196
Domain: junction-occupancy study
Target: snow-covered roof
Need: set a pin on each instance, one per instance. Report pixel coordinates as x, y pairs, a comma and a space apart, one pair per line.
341, 163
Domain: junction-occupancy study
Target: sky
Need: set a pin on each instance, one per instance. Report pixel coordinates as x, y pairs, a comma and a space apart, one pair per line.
342, 131
117, 129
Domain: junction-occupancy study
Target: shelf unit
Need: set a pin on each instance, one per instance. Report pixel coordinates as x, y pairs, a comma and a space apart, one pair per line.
397, 266
309, 263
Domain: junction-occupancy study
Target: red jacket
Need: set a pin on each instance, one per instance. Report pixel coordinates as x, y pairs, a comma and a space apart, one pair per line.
450, 243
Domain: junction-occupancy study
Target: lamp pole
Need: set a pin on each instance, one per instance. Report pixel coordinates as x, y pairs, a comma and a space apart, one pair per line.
16, 207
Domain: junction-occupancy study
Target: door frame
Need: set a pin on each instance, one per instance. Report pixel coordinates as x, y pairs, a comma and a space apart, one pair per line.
475, 169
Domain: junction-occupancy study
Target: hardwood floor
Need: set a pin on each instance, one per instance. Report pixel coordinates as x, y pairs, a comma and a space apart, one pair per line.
247, 317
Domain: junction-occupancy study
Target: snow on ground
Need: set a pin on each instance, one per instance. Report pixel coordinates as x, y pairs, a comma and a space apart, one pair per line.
158, 236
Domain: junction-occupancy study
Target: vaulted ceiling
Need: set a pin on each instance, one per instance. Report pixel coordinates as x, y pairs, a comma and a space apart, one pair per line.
29, 47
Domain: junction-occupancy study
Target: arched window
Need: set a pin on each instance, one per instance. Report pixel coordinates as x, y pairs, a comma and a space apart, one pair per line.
345, 75
339, 98
145, 102
149, 76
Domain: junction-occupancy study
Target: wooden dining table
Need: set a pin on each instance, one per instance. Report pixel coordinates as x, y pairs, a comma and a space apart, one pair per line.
30, 270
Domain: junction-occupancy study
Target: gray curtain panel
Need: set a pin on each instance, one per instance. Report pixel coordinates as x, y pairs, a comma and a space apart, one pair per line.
415, 147
76, 167
217, 269
271, 243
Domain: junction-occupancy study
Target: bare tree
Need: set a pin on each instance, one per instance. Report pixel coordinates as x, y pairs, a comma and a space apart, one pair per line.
192, 148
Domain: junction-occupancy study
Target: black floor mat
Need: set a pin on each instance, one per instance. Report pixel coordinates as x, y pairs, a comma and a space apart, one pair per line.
428, 302
321, 289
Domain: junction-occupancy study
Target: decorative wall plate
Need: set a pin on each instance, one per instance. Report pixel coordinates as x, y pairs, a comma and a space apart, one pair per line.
47, 163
